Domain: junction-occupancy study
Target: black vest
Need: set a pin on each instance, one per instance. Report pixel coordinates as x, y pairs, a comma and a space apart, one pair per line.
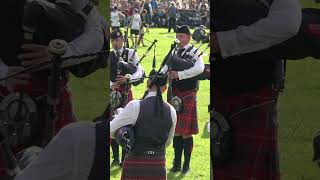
100, 169
186, 84
152, 132
246, 72
114, 61
11, 35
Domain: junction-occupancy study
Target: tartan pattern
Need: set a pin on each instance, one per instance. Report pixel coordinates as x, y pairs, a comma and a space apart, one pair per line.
64, 107
121, 89
187, 122
256, 154
144, 168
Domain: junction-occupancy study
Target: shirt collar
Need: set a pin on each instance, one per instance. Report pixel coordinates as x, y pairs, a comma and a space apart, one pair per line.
151, 94
185, 47
120, 50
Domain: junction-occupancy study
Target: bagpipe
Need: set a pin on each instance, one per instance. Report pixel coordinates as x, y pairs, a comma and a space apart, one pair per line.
176, 63
200, 35
126, 69
18, 117
179, 64
44, 21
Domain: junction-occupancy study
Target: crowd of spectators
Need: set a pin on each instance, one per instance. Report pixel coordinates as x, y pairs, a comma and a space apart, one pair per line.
158, 10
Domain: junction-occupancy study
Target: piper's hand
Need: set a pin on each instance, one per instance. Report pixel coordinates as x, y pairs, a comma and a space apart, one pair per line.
121, 79
174, 75
115, 86
34, 54
21, 79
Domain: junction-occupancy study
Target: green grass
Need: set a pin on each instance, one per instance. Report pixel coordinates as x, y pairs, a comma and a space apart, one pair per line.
200, 167
90, 94
299, 117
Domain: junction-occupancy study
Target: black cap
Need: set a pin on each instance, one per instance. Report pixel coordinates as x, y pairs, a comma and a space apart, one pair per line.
160, 80
183, 29
116, 34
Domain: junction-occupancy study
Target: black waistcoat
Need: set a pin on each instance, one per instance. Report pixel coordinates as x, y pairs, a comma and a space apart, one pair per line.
246, 72
152, 132
114, 61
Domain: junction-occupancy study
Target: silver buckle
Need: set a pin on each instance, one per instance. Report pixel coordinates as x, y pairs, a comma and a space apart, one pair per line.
150, 152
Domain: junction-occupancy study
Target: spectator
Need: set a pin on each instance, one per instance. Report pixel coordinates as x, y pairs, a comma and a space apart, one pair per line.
172, 14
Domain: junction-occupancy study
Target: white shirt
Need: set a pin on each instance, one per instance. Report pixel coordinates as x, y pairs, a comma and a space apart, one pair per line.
115, 18
282, 22
136, 20
197, 69
92, 39
69, 156
130, 113
134, 60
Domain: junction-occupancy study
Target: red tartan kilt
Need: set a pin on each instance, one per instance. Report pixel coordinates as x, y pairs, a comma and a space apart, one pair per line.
39, 88
255, 135
187, 122
144, 168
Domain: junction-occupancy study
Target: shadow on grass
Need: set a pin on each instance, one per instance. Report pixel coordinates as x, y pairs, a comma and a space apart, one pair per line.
115, 170
175, 175
205, 133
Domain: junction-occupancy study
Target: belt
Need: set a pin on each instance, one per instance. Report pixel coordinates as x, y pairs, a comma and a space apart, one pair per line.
148, 152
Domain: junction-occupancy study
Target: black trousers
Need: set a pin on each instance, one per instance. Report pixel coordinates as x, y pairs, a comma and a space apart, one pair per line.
172, 24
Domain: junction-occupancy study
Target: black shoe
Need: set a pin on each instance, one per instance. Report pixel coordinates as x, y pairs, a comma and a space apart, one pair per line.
115, 163
185, 170
175, 169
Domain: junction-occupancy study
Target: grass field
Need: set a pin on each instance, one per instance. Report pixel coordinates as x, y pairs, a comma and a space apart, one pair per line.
90, 93
299, 117
200, 156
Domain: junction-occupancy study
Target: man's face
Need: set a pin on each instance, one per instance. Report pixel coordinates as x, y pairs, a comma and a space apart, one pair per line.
183, 38
117, 43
